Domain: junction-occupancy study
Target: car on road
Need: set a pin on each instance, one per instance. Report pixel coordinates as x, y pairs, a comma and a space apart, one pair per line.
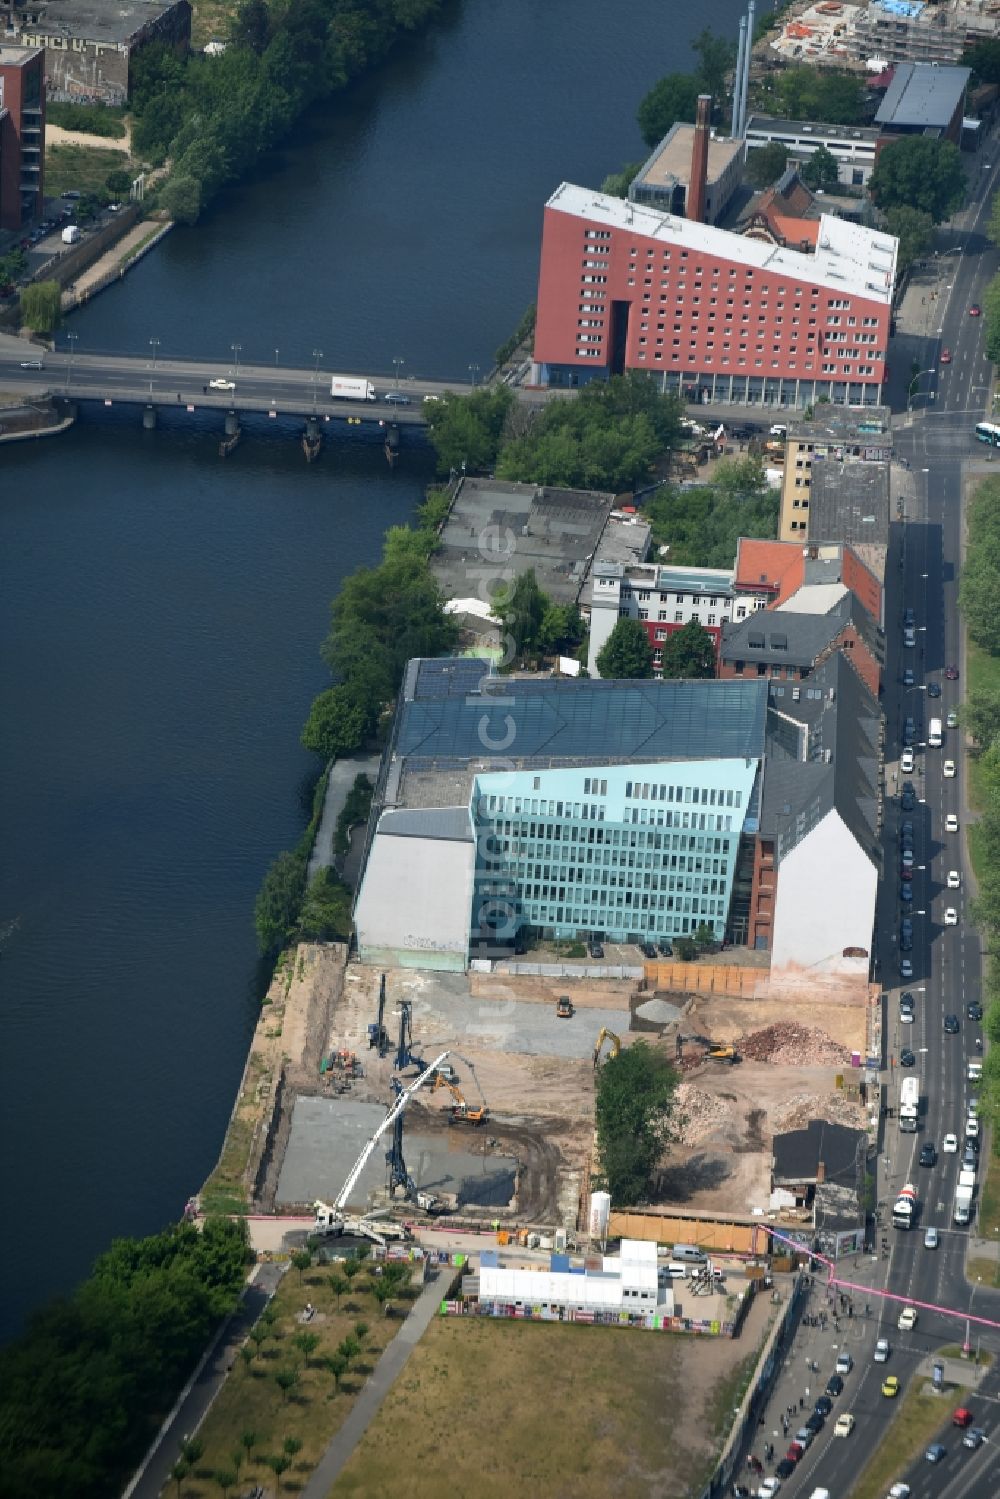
907, 1003
950, 916
595, 949
905, 968
890, 1386
429, 400
835, 1385
962, 1416
396, 398
931, 1238
909, 618
948, 769
936, 1453
951, 672
899, 1491
784, 1469
844, 1425
769, 1488
951, 722
974, 1010
220, 384
928, 1154
951, 1025
909, 732
909, 680
909, 636
814, 1424
907, 1319
972, 1129
974, 1437
950, 1144
954, 880
946, 356
32, 364
975, 310
906, 762
933, 689
951, 823
844, 1364
882, 1351
907, 1058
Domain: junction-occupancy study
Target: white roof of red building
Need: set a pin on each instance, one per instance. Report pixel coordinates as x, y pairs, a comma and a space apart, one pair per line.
849, 258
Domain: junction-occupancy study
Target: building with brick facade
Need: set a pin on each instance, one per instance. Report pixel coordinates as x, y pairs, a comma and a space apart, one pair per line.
809, 579
664, 179
626, 287
663, 599
90, 45
789, 645
22, 135
831, 436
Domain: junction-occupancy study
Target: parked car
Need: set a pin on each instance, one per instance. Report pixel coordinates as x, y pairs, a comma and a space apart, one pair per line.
905, 968
835, 1385
596, 950
647, 949
665, 949
906, 762
823, 1406
845, 1363
908, 678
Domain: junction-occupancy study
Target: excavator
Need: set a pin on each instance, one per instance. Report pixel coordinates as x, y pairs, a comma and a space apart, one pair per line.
605, 1035
714, 1051
462, 1111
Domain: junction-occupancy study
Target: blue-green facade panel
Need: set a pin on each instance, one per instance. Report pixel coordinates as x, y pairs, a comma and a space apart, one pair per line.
642, 851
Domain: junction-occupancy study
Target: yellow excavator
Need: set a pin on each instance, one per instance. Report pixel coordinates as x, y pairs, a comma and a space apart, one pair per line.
605, 1035
462, 1111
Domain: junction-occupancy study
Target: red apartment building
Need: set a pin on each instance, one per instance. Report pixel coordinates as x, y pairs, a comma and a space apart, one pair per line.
623, 287
22, 134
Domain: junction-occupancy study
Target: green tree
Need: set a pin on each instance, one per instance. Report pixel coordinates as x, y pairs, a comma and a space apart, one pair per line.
704, 936
626, 652
977, 586
617, 184
984, 60
336, 724
326, 909
921, 172
915, 231
179, 1472
689, 652
991, 317
119, 184
702, 525
40, 306
279, 1465
674, 98
292, 1446
807, 93
521, 608
336, 1366
279, 900
765, 164
306, 1343
248, 1441
361, 1332
286, 1380
716, 59
338, 1284
633, 1112
226, 1478
251, 26
301, 1260
181, 196
979, 715
465, 431
562, 628
821, 170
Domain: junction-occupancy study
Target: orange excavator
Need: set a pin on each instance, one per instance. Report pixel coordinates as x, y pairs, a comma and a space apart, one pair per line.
462, 1111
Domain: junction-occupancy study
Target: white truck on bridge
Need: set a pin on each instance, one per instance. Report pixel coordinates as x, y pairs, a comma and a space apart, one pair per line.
352, 388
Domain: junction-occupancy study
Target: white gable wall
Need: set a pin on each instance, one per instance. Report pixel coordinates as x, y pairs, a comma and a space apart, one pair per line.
825, 902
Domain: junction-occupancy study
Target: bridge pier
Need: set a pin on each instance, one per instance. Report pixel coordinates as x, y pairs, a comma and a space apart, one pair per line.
149, 419
312, 440
232, 423
392, 444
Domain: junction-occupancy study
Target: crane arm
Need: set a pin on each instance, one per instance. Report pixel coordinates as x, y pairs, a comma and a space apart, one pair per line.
389, 1120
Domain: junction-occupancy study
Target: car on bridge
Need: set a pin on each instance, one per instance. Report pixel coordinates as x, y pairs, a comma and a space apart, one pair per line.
220, 384
396, 398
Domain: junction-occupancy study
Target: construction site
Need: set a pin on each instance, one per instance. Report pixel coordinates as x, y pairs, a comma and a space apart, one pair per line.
498, 1071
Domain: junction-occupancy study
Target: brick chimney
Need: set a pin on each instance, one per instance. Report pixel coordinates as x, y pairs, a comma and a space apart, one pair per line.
699, 160
820, 1172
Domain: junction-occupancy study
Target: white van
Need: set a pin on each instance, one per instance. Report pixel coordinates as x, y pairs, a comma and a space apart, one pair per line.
689, 1252
934, 735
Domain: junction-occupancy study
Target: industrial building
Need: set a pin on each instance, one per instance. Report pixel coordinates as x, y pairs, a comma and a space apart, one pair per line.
90, 45
635, 810
852, 146
626, 287
849, 502
926, 100
664, 179
837, 436
22, 135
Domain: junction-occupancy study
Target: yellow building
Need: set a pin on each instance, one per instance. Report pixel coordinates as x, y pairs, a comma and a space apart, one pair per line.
846, 436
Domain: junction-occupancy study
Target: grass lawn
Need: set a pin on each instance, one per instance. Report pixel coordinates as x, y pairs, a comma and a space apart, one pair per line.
983, 1271
916, 1423
989, 1199
490, 1408
211, 21
81, 167
306, 1416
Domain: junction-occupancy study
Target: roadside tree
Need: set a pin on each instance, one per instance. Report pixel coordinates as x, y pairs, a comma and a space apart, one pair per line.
921, 173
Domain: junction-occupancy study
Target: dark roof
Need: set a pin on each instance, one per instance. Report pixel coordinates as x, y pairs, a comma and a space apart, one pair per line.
797, 1153
849, 502
95, 20
450, 711
789, 638
870, 427
449, 824
922, 95
822, 756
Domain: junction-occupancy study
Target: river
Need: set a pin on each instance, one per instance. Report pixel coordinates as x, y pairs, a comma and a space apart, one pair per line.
161, 610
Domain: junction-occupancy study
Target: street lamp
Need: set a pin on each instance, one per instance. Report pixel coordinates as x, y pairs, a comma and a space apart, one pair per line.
474, 372
154, 344
276, 358
236, 356
317, 355
397, 365
909, 388
72, 350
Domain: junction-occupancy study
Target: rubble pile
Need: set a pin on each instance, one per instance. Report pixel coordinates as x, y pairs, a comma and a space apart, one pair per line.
703, 1113
835, 1108
787, 1044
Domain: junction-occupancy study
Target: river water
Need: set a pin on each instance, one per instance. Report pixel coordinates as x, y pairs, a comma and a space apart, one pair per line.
161, 611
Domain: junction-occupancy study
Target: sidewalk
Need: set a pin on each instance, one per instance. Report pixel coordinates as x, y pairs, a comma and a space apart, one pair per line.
342, 778
367, 1405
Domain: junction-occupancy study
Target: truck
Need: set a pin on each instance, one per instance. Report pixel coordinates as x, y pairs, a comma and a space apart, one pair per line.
934, 733
963, 1200
71, 234
904, 1209
909, 1105
352, 388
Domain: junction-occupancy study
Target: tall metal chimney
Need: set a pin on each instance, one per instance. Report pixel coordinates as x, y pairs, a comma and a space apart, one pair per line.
738, 79
699, 161
747, 60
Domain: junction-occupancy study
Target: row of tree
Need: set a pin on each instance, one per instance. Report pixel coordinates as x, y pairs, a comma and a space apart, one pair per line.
213, 117
687, 652
702, 524
85, 1386
634, 1113
980, 718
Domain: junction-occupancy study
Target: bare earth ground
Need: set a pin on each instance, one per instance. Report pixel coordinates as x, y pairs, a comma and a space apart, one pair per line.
489, 1409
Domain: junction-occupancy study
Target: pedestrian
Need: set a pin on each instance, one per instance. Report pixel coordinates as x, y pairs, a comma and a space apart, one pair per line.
801, 1403
204, 390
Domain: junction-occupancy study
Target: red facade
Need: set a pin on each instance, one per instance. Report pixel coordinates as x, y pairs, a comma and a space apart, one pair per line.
22, 134
612, 298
